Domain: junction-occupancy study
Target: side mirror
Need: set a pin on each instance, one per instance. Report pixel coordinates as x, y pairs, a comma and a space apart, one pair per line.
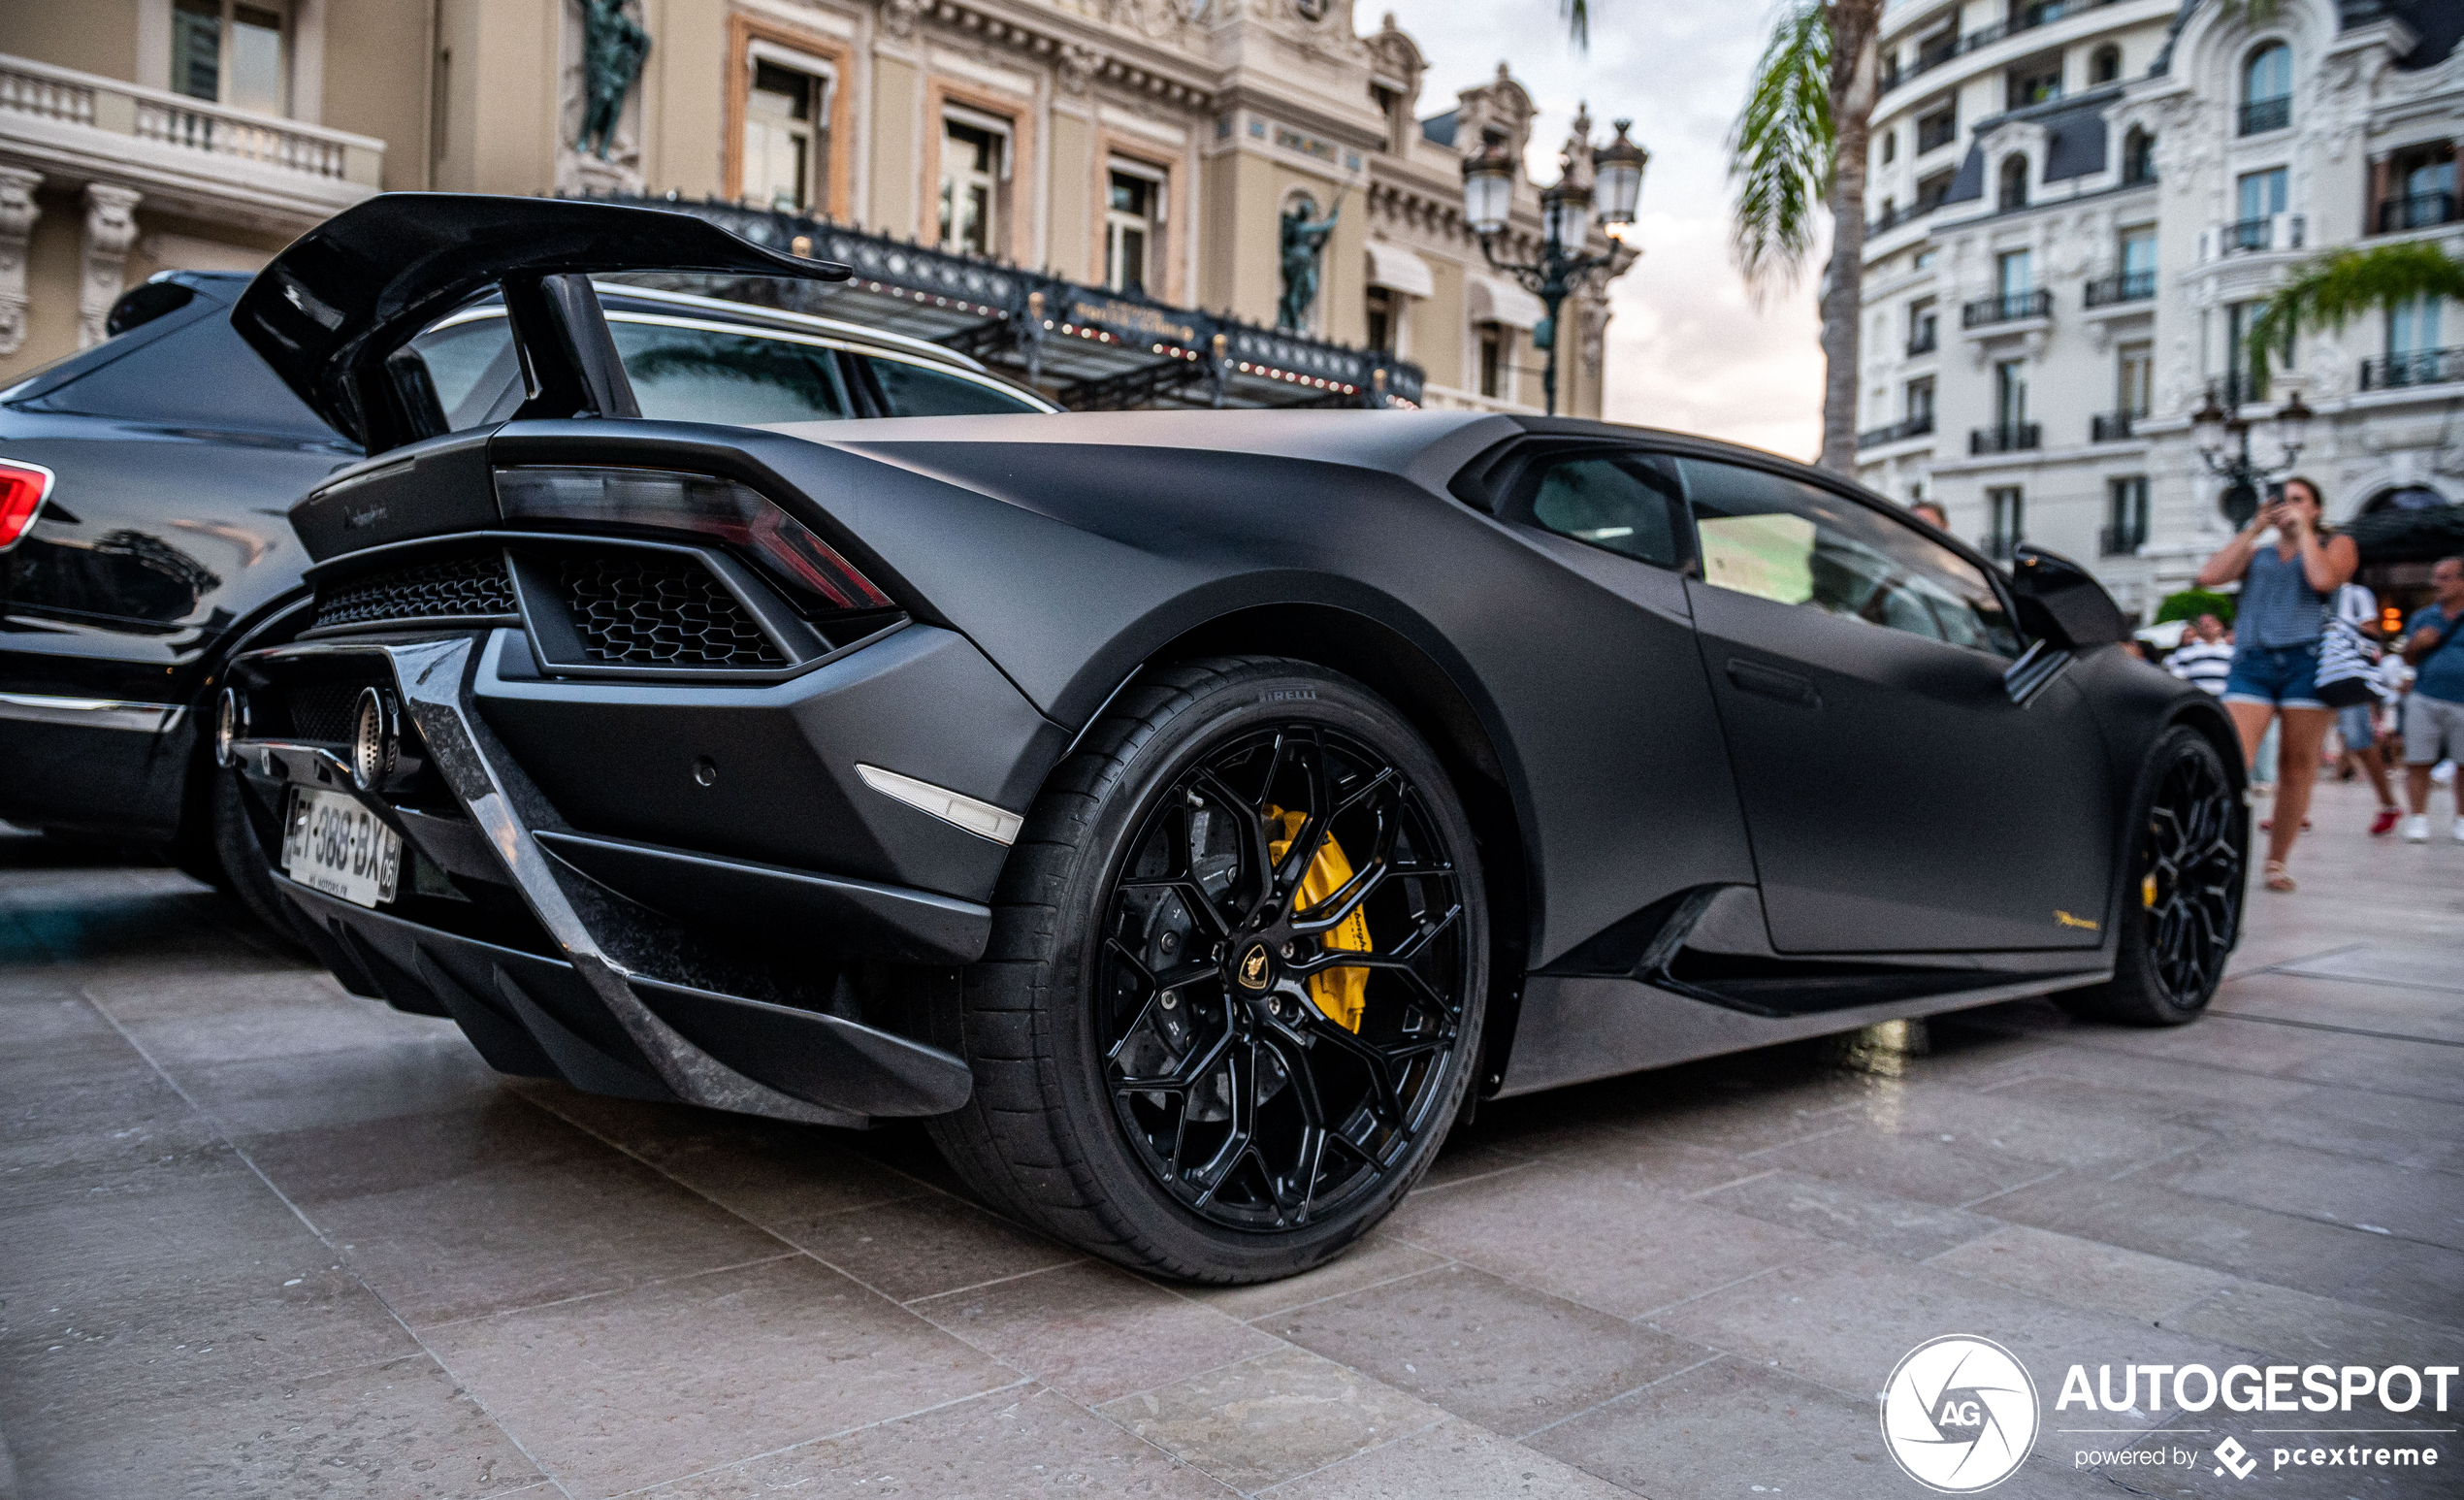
2067, 610
2061, 603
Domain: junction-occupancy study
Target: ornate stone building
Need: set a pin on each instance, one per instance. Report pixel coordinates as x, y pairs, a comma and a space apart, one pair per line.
1189, 149
2079, 205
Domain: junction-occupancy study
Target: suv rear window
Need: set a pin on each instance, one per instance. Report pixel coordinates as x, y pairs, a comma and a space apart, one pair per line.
202, 376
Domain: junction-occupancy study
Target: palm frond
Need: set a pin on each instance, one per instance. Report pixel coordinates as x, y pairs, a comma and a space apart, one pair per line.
1781, 146
1577, 13
2332, 290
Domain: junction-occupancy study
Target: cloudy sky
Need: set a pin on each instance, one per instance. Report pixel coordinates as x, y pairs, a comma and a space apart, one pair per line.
1687, 349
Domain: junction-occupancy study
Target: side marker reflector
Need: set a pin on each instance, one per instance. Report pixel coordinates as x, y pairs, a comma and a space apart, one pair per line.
958, 810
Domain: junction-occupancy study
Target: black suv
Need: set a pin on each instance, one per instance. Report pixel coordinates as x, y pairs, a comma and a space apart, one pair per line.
144, 491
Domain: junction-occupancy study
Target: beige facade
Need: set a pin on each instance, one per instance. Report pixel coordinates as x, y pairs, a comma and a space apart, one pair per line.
1153, 142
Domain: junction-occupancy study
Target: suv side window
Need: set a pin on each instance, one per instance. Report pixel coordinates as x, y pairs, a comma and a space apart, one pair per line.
1797, 543
1625, 503
919, 390
700, 374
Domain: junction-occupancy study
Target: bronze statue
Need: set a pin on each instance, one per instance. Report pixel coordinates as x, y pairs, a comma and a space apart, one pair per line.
614, 46
1303, 241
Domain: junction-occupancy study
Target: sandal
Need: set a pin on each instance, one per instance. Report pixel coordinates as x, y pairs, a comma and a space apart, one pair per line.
2276, 879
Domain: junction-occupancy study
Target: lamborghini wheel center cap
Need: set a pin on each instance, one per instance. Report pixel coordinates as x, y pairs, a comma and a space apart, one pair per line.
1255, 968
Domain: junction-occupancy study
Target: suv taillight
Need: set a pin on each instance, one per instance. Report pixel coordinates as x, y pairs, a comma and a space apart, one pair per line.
22, 487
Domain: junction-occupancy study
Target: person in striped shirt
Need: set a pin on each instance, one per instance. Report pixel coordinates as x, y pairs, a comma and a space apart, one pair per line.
2205, 656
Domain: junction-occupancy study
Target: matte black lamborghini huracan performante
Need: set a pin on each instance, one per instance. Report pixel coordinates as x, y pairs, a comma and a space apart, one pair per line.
1188, 813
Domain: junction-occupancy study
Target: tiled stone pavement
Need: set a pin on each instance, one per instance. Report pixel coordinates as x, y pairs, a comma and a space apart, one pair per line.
261, 1238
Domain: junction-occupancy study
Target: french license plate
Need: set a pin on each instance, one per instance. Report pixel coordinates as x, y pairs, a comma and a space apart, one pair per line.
333, 844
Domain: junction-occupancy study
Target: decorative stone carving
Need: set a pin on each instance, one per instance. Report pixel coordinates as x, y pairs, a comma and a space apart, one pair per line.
111, 225
898, 17
17, 215
1078, 64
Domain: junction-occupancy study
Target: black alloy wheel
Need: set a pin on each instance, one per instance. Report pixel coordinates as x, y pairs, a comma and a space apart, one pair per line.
2181, 912
1277, 1020
1235, 992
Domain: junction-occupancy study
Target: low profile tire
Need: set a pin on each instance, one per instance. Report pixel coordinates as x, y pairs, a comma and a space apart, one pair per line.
241, 858
2182, 909
1234, 993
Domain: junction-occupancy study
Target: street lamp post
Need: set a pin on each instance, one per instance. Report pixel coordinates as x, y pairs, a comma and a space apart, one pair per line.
2223, 440
1565, 213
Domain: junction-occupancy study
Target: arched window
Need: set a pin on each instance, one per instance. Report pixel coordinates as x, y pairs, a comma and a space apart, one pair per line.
2138, 157
2267, 89
2014, 182
2106, 65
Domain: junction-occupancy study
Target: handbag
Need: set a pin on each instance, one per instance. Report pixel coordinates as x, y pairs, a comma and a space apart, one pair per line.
2344, 660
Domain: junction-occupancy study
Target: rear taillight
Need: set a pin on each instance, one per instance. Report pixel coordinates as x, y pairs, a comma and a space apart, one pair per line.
701, 504
22, 487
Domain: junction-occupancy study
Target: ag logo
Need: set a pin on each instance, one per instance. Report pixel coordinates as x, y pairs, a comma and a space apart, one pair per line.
1959, 1414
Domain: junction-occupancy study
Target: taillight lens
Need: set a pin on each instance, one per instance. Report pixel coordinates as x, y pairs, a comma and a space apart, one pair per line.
22, 487
665, 500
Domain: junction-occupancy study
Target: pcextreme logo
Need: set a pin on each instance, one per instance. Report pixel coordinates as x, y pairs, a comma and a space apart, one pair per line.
1959, 1414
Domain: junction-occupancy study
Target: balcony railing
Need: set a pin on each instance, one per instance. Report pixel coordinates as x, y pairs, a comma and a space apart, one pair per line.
2010, 438
1916, 426
50, 97
2420, 210
1936, 131
2266, 232
2258, 114
1924, 341
1936, 52
1895, 216
2120, 287
2424, 366
2009, 307
2112, 426
2121, 540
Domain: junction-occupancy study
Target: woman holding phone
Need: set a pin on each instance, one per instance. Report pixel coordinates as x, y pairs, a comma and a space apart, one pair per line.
2285, 584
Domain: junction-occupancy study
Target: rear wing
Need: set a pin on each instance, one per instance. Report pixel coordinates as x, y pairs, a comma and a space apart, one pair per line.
334, 308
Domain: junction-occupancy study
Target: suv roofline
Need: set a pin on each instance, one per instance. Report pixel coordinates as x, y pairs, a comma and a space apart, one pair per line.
752, 312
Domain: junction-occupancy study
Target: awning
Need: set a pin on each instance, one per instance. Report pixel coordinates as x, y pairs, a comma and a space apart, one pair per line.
1397, 269
1489, 300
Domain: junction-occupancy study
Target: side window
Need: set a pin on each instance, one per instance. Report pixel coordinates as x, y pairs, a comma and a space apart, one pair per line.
1797, 543
472, 365
1624, 502
919, 390
702, 374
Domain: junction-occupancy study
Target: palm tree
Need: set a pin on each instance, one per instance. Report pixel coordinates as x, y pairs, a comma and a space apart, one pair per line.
1799, 142
2332, 290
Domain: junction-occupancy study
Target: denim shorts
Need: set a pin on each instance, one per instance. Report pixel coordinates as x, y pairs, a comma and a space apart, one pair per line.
2279, 676
2353, 726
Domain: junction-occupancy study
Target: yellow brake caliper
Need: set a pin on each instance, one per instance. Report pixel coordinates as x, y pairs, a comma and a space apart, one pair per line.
1341, 994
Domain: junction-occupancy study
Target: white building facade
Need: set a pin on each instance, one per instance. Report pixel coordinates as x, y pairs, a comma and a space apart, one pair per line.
2080, 205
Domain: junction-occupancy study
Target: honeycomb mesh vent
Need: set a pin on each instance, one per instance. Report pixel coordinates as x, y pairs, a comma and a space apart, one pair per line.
443, 588
321, 710
660, 611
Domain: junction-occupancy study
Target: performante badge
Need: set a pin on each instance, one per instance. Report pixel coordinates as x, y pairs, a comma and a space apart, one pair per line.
1959, 1414
1253, 967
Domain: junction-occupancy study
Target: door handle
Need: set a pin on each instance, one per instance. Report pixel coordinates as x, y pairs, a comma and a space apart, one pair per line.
1770, 682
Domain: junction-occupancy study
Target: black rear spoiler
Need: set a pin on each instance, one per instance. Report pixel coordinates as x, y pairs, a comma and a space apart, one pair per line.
331, 312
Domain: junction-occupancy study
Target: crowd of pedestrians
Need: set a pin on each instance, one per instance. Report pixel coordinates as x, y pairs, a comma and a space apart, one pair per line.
2305, 655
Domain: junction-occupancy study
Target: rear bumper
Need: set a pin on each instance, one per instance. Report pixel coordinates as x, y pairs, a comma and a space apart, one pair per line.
631, 966
94, 765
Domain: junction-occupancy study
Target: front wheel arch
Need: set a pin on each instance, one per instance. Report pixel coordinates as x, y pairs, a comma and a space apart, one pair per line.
1399, 669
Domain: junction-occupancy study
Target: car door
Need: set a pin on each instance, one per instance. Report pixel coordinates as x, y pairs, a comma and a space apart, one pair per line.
1897, 800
